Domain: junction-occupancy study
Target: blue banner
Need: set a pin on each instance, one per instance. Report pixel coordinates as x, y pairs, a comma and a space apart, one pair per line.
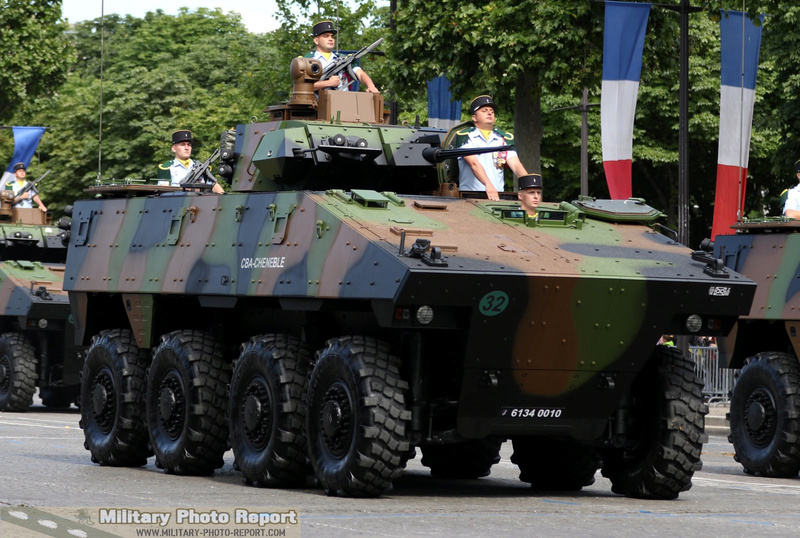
26, 140
739, 34
623, 40
443, 112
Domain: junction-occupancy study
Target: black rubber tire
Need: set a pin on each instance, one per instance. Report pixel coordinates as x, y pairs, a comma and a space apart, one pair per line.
666, 433
465, 460
357, 418
267, 411
17, 372
186, 403
765, 415
112, 400
59, 397
555, 464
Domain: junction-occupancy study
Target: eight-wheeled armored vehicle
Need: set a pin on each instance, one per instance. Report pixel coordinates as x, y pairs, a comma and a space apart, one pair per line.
36, 334
765, 344
328, 317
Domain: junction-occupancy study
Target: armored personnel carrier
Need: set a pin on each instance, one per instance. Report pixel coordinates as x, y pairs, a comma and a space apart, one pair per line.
765, 404
36, 333
329, 316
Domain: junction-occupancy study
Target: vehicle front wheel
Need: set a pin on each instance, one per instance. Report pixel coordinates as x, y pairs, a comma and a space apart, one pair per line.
765, 416
357, 417
666, 430
186, 403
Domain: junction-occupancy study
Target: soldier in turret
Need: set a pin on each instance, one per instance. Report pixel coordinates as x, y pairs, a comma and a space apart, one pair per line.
485, 172
325, 42
530, 193
24, 199
177, 169
791, 208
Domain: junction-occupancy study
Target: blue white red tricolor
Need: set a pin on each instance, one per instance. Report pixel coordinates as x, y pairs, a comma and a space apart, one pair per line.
623, 43
740, 43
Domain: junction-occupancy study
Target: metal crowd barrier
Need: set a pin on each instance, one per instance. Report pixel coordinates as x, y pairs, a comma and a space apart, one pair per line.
717, 382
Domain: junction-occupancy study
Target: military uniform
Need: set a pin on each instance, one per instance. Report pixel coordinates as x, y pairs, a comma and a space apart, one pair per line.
174, 171
344, 79
493, 163
16, 186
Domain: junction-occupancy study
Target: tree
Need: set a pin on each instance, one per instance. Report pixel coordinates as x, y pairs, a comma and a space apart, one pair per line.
34, 52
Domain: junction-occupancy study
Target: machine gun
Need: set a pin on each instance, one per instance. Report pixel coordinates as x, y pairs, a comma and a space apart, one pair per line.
199, 176
31, 184
345, 63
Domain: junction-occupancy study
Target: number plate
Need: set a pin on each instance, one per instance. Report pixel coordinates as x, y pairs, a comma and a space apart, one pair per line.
531, 412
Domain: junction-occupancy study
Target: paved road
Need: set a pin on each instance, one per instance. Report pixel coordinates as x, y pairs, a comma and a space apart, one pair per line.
43, 464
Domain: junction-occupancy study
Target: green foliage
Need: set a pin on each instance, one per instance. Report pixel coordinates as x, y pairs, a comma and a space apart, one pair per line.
35, 52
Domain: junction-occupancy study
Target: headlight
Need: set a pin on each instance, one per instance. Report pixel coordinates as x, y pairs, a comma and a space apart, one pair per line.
424, 314
694, 323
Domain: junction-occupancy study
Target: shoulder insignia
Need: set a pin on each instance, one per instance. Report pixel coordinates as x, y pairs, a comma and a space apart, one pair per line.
466, 130
164, 166
505, 135
309, 55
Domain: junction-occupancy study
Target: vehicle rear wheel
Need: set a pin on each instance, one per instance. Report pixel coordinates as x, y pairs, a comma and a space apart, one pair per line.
186, 402
555, 464
666, 430
112, 400
357, 417
267, 411
464, 460
765, 416
17, 372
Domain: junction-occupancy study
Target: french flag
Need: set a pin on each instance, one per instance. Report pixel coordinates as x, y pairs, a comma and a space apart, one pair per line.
740, 41
26, 140
623, 43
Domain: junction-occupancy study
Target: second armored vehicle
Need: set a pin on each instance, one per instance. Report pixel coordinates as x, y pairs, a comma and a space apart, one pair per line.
36, 333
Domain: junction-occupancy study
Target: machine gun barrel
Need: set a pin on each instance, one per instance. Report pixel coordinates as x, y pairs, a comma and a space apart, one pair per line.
438, 155
346, 63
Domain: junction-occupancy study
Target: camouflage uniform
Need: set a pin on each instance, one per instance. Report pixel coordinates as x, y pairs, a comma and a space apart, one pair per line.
493, 163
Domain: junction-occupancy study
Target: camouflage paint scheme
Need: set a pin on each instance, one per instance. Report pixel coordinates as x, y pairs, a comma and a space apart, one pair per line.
554, 313
330, 314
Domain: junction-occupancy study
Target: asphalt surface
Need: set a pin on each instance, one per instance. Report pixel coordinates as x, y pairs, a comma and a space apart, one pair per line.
43, 465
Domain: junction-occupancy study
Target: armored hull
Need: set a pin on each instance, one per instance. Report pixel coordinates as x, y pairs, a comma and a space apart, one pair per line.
504, 325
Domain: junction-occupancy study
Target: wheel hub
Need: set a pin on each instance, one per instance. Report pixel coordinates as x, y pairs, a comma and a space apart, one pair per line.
5, 374
257, 413
336, 420
104, 400
760, 417
172, 404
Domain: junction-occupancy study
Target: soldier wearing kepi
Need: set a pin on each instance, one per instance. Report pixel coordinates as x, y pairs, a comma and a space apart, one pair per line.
791, 208
530, 193
325, 41
178, 168
24, 199
485, 172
